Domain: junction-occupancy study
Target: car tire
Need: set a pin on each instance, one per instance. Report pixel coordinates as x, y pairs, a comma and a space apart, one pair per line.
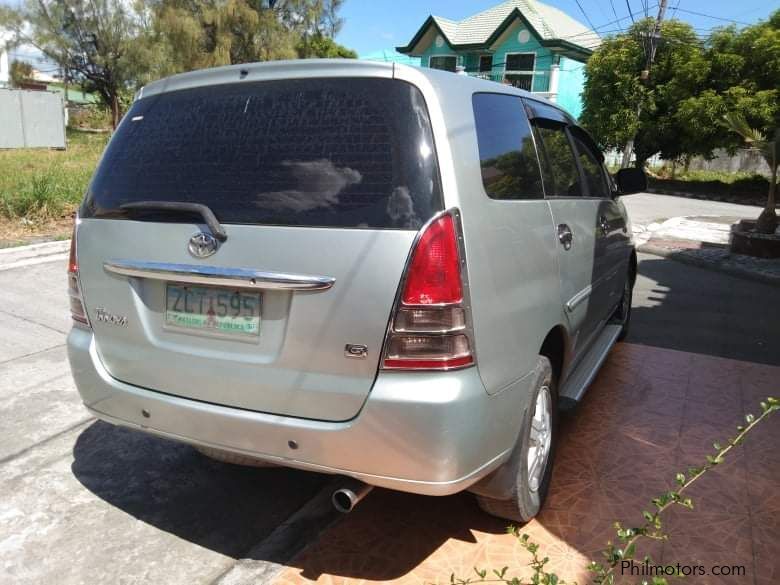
530, 487
233, 458
622, 314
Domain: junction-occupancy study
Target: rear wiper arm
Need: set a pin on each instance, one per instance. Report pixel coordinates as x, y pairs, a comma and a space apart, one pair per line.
202, 210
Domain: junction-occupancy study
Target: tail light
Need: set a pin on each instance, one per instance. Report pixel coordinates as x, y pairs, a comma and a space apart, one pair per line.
77, 310
429, 328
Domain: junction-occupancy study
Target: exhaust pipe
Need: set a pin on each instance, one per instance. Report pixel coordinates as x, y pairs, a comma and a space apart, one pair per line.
346, 498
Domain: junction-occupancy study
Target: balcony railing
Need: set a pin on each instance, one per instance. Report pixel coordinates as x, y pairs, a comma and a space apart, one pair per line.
501, 77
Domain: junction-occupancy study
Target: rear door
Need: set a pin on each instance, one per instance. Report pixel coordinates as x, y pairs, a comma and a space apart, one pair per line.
320, 185
612, 226
575, 215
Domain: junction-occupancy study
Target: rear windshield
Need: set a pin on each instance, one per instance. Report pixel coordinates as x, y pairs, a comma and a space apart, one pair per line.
354, 153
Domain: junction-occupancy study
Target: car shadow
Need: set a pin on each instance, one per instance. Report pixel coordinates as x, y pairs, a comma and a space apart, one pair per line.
687, 308
226, 508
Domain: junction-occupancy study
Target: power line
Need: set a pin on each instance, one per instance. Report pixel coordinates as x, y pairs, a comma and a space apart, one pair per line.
587, 18
631, 14
713, 17
612, 5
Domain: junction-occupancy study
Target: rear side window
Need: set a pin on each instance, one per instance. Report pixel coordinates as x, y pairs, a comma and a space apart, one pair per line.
561, 176
591, 168
510, 168
327, 152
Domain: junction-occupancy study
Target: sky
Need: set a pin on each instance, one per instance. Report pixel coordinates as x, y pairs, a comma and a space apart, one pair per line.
371, 25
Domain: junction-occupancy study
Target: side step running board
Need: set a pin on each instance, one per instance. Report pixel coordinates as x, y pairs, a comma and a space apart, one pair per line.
578, 381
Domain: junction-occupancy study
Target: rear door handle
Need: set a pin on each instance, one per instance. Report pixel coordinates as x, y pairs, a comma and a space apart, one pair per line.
565, 236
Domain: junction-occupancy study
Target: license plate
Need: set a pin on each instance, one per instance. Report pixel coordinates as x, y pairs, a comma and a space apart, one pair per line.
213, 311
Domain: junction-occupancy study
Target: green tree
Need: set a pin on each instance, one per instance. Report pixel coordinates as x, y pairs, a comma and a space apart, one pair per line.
20, 71
323, 47
743, 80
192, 34
95, 42
616, 88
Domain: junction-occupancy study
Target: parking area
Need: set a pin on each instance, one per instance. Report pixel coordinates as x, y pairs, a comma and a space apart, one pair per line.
82, 501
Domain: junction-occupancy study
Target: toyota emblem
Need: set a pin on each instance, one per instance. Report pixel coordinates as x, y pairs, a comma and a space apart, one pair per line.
202, 245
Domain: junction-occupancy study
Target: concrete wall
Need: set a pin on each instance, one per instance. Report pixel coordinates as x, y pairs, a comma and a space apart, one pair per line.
744, 160
31, 119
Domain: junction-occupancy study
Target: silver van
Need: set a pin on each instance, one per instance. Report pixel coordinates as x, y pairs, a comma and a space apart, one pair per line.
392, 274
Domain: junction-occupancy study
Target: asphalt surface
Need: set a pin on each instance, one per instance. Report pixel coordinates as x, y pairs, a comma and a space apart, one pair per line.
82, 501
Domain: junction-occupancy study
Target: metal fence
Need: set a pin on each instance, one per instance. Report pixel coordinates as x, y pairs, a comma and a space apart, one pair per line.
30, 119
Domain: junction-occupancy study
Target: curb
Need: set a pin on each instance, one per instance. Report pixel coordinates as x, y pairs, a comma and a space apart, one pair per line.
734, 200
732, 270
268, 558
20, 256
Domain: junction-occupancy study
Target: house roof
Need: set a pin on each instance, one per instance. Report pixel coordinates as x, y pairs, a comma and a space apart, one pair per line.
551, 25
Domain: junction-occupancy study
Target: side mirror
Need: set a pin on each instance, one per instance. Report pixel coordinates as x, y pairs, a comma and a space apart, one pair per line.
631, 180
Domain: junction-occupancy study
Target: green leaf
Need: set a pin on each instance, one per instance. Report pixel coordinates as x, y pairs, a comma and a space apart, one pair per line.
680, 478
717, 446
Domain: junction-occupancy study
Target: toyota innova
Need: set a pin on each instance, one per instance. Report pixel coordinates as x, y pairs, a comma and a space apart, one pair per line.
397, 275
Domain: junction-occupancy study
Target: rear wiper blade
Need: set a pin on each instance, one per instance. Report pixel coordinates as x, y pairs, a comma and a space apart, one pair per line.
202, 210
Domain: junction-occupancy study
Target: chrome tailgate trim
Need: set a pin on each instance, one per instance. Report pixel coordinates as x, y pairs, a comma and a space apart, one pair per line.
216, 276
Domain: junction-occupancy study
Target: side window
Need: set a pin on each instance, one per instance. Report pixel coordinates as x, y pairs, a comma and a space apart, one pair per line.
592, 169
561, 176
510, 167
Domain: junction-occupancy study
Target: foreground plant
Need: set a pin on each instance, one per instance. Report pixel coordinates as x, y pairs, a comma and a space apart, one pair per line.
770, 150
604, 572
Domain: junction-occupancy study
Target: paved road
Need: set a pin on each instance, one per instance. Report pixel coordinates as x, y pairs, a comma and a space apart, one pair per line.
682, 307
646, 208
82, 501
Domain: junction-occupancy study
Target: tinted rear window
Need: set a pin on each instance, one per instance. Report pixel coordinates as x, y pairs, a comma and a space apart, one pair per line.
310, 152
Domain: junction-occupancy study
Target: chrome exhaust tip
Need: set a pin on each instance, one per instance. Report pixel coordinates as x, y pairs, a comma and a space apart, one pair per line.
346, 498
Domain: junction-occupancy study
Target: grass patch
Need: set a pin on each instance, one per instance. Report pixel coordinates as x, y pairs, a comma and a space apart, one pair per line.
40, 185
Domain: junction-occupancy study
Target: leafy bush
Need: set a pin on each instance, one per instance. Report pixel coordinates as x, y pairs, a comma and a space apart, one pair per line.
93, 116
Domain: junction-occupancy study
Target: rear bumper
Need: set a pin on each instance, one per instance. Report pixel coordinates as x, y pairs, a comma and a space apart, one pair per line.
426, 433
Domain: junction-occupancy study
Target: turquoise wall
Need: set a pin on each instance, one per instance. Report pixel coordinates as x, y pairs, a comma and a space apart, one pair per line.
571, 82
543, 58
445, 49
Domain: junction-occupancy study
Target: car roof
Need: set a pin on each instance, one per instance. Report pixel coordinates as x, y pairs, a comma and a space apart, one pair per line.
442, 81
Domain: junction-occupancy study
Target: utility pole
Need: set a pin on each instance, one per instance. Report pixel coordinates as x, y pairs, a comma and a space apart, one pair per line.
655, 37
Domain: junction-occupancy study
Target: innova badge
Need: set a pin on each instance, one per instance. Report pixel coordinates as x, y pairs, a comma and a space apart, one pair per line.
203, 245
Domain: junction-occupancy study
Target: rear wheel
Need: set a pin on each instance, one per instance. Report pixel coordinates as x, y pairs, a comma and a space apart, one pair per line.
533, 455
233, 458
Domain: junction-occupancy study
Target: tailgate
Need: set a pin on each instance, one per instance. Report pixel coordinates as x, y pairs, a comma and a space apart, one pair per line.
297, 364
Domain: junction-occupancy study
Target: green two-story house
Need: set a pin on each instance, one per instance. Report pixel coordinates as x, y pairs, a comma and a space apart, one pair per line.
524, 43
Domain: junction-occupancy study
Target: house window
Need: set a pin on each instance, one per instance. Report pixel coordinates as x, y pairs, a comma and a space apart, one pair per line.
520, 81
520, 61
446, 63
486, 63
519, 69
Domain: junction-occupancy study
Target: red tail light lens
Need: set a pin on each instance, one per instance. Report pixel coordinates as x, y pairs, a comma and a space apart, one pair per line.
77, 311
430, 328
433, 276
